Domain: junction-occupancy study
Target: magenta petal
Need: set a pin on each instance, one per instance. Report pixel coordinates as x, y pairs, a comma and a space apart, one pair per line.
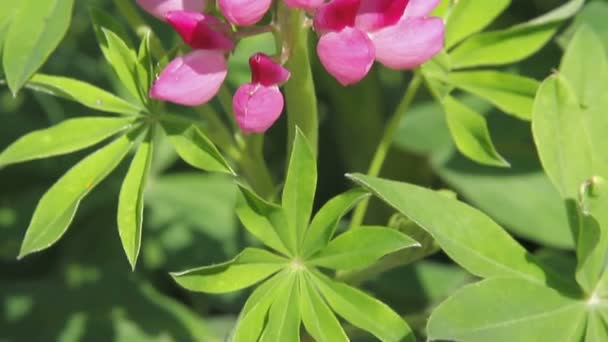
421, 8
409, 43
266, 71
336, 15
376, 14
192, 79
159, 8
347, 55
256, 107
304, 4
201, 31
244, 12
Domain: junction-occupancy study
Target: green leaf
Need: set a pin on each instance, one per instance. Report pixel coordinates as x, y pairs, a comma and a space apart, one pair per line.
37, 29
513, 310
596, 331
325, 221
467, 235
195, 148
300, 186
513, 44
363, 311
317, 317
284, 315
123, 60
57, 207
568, 140
6, 18
471, 16
361, 247
252, 318
144, 67
266, 221
248, 268
513, 94
83, 93
585, 66
131, 200
68, 136
593, 15
592, 244
470, 132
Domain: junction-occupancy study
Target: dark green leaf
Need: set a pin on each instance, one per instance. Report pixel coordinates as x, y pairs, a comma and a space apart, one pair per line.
325, 221
361, 247
83, 93
37, 29
57, 207
248, 268
131, 200
68, 136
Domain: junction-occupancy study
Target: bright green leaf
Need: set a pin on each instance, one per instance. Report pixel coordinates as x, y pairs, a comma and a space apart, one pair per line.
83, 93
284, 315
251, 320
248, 268
35, 32
467, 235
68, 136
131, 200
593, 15
507, 309
195, 148
300, 186
363, 311
471, 16
471, 134
361, 247
513, 94
57, 207
597, 330
317, 317
123, 60
325, 221
513, 44
144, 67
266, 221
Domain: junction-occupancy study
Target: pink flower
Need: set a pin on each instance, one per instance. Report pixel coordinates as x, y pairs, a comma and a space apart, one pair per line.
195, 78
257, 105
244, 12
159, 8
305, 4
396, 33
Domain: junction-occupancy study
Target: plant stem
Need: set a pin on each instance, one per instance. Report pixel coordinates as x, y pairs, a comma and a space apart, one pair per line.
300, 92
387, 141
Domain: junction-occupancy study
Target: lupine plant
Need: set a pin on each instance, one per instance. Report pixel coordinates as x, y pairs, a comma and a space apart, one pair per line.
506, 233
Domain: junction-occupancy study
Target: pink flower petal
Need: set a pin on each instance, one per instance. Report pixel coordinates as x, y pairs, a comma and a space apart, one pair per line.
376, 14
159, 8
304, 4
256, 107
347, 55
266, 71
201, 31
409, 43
192, 79
420, 8
336, 15
244, 12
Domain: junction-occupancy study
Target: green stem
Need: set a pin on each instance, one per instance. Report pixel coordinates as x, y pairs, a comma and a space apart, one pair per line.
387, 141
255, 168
300, 92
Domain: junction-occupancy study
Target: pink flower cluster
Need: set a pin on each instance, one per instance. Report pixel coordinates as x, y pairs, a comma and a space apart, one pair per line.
354, 33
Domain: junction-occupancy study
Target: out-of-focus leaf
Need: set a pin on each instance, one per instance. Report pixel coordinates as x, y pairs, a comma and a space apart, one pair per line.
513, 44
57, 207
68, 136
83, 93
360, 247
514, 309
248, 268
593, 15
36, 30
471, 16
471, 134
131, 200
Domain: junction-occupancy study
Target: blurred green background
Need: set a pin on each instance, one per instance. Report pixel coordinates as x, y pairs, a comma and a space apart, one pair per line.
82, 289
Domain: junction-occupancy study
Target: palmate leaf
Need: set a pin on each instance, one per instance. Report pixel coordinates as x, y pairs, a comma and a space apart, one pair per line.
284, 314
317, 317
467, 17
